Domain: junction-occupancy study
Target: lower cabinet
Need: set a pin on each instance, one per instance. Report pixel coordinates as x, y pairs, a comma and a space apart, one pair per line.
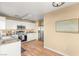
12, 49
32, 36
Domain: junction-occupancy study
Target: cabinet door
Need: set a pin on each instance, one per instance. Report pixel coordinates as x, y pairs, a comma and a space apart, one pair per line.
12, 49
2, 23
32, 36
30, 25
11, 24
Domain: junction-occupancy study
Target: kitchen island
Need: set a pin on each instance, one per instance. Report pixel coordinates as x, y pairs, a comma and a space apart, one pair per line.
10, 47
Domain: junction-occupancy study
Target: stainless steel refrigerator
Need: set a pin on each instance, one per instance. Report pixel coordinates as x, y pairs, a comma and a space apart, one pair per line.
41, 33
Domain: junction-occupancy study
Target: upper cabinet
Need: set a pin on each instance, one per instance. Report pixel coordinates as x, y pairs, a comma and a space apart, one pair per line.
12, 24
2, 23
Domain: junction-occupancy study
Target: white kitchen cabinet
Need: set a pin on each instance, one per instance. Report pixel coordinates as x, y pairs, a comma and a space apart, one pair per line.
32, 25
2, 23
11, 49
28, 25
12, 24
32, 36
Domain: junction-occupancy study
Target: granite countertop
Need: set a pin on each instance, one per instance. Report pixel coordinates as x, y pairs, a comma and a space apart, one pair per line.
8, 41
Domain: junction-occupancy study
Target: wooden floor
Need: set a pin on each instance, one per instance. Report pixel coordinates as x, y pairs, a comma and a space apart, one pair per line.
35, 48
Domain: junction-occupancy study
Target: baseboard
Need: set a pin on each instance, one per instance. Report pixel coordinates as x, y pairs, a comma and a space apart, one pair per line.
56, 51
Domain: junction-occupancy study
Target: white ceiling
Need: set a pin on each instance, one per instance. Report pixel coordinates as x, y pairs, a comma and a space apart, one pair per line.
30, 10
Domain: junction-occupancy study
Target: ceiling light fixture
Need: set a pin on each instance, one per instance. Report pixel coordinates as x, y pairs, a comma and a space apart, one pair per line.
57, 4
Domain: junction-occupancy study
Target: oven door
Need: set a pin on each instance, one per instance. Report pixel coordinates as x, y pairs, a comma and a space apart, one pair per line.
23, 38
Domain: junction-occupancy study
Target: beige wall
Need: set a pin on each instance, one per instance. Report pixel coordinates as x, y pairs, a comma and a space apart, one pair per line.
67, 43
